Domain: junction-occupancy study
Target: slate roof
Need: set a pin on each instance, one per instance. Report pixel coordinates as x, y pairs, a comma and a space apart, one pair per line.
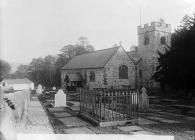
133, 55
74, 77
96, 59
17, 81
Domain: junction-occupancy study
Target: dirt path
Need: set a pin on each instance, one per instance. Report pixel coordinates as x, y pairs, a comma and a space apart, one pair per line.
38, 122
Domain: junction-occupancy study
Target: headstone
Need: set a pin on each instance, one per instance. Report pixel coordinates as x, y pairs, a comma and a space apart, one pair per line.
54, 88
60, 98
39, 89
144, 100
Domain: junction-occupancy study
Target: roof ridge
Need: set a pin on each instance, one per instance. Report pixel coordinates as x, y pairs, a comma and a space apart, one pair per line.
98, 50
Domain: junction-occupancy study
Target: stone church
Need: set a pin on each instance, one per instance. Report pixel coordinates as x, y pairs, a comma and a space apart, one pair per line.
116, 68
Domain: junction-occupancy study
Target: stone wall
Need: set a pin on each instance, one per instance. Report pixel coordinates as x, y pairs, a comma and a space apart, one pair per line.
98, 83
148, 52
112, 70
14, 113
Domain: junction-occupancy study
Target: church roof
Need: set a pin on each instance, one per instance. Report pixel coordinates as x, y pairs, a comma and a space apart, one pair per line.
96, 59
134, 56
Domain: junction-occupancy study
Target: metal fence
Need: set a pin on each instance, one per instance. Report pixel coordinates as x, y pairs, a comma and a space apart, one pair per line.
105, 106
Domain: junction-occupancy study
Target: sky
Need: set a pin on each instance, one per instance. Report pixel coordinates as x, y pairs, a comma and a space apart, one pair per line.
36, 28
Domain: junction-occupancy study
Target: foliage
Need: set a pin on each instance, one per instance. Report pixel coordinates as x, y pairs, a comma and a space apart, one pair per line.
47, 70
42, 70
4, 69
177, 65
21, 72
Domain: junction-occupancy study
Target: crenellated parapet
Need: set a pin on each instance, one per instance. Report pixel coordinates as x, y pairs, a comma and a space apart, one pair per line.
155, 26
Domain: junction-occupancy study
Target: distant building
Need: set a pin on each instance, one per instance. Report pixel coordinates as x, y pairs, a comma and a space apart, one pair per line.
17, 84
116, 68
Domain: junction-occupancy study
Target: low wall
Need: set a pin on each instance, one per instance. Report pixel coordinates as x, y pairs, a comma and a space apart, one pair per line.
14, 112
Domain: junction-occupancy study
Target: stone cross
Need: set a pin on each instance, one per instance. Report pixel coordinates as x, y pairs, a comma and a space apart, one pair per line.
143, 90
60, 98
144, 100
39, 89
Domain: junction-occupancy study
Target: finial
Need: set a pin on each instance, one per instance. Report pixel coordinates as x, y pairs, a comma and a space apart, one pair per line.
161, 20
120, 43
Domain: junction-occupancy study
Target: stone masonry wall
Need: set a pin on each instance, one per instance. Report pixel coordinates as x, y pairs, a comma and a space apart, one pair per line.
148, 52
112, 70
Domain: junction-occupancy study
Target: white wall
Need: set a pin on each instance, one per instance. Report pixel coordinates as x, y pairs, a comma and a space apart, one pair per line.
21, 86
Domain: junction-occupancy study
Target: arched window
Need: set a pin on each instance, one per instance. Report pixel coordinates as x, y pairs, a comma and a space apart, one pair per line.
123, 72
162, 40
92, 76
146, 40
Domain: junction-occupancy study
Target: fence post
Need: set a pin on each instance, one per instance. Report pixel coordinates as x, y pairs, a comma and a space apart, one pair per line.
80, 101
100, 104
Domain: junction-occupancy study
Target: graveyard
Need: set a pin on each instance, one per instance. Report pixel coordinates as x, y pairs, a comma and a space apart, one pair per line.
57, 111
159, 117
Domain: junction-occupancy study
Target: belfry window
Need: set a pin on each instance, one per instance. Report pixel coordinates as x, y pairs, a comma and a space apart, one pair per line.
162, 40
146, 40
123, 72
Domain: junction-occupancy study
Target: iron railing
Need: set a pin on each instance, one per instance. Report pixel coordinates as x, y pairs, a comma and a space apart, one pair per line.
112, 105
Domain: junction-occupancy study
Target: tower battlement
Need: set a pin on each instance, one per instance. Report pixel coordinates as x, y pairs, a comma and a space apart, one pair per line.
156, 25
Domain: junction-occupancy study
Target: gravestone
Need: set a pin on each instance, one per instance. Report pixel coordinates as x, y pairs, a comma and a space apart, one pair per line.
60, 98
144, 100
39, 89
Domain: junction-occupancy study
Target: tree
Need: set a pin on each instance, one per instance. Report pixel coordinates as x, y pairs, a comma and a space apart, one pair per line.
68, 51
83, 46
21, 72
4, 69
177, 65
47, 70
36, 70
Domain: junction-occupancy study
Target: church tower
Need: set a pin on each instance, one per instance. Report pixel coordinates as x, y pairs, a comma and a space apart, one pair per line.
151, 39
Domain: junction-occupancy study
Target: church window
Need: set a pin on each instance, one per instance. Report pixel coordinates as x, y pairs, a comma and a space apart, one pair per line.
146, 40
140, 73
92, 76
123, 72
162, 40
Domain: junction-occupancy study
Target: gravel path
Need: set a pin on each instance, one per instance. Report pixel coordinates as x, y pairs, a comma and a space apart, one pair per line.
37, 122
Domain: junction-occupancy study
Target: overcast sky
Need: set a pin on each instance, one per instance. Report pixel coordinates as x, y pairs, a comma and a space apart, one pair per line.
34, 28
